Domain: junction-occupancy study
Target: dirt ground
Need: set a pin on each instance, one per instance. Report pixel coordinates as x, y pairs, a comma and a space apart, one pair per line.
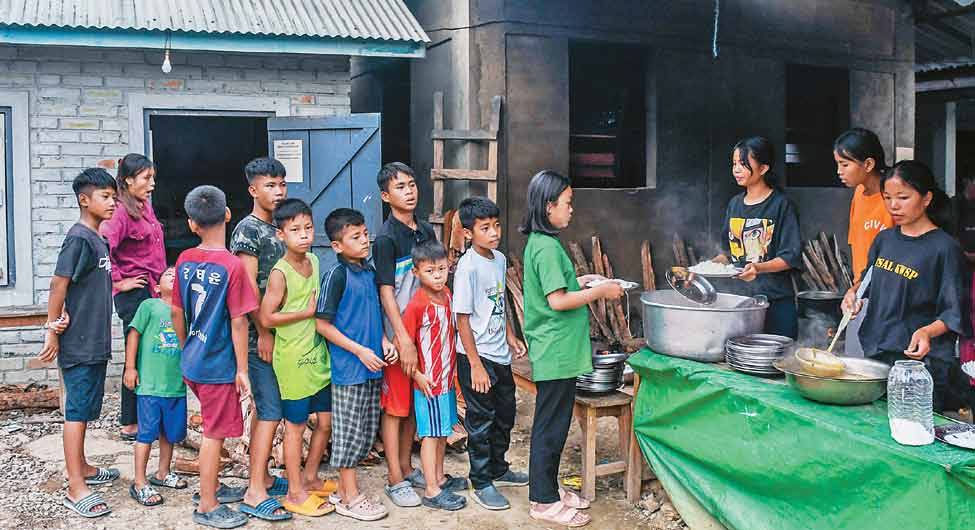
32, 483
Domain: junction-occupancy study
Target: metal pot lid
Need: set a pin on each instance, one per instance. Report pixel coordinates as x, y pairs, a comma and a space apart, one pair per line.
693, 287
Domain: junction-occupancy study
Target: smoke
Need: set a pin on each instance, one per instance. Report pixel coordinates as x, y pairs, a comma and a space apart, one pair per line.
817, 331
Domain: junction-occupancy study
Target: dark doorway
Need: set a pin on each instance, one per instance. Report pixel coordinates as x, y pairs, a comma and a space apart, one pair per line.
191, 150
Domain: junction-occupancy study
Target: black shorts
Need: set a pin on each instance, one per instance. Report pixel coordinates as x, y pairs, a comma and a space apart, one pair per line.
84, 388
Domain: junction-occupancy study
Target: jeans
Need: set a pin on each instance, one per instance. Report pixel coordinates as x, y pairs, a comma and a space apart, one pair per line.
488, 420
553, 416
126, 304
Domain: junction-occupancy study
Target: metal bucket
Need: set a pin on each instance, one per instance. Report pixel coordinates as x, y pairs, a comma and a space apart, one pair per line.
677, 327
819, 315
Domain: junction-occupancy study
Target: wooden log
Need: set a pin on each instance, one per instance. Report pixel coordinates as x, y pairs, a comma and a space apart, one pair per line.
623, 325
582, 268
680, 252
647, 261
834, 265
692, 258
839, 258
818, 283
819, 261
598, 267
28, 398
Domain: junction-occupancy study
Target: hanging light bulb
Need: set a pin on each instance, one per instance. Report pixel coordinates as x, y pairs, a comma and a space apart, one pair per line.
166, 65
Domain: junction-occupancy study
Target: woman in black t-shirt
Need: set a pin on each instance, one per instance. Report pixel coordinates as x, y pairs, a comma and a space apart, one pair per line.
918, 288
762, 235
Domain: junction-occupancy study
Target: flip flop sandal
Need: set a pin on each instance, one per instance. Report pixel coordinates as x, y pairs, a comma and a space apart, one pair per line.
573, 500
403, 495
85, 507
225, 495
314, 506
126, 437
327, 488
144, 494
222, 517
172, 481
362, 509
265, 510
102, 476
279, 487
560, 514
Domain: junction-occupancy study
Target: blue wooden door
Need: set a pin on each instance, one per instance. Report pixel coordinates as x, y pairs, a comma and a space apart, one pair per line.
338, 158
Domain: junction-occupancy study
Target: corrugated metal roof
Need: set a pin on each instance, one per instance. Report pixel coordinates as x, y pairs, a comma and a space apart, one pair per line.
355, 19
946, 40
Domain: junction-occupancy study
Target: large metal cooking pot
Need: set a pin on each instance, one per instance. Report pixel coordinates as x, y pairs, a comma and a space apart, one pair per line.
678, 327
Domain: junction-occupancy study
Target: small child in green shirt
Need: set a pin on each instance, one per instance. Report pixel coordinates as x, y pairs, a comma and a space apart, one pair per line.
300, 359
557, 331
152, 371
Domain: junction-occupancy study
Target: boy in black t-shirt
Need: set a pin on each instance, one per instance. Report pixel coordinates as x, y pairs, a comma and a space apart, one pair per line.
82, 287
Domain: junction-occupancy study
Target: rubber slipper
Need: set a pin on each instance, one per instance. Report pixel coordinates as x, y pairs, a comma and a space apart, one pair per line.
454, 484
222, 517
314, 506
144, 494
445, 500
265, 510
103, 476
362, 509
573, 500
327, 488
84, 507
560, 514
279, 487
171, 481
403, 495
225, 495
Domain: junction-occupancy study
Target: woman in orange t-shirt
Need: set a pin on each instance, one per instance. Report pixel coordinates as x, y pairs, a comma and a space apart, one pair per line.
860, 163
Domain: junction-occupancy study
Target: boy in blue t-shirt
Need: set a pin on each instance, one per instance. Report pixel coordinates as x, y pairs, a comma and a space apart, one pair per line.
81, 290
350, 318
152, 371
211, 300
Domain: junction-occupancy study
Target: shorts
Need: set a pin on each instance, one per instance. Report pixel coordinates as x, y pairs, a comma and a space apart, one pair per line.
84, 388
436, 416
297, 410
264, 389
355, 422
161, 415
397, 392
220, 408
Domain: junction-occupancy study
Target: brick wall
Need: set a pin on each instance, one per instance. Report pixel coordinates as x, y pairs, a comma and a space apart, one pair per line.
79, 118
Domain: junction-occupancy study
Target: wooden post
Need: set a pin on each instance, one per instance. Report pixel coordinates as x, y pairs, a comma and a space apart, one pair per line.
634, 459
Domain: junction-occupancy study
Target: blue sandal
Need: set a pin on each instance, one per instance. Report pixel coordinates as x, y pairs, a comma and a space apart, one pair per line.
279, 488
85, 507
265, 510
222, 517
225, 495
103, 476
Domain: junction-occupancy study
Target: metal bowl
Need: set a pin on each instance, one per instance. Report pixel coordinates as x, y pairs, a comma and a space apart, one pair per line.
864, 382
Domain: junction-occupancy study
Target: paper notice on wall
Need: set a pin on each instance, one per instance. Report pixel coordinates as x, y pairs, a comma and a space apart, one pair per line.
904, 153
288, 152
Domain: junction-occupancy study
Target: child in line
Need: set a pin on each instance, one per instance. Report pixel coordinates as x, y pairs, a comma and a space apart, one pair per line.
300, 356
82, 287
255, 243
484, 349
210, 305
350, 317
557, 329
393, 261
152, 372
430, 323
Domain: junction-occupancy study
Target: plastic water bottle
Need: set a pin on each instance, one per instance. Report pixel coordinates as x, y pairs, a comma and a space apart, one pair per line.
910, 390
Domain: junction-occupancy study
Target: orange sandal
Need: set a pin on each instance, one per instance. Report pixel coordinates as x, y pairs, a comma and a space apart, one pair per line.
560, 514
327, 488
314, 506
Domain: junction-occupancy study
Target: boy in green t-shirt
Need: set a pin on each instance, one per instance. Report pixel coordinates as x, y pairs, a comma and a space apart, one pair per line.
152, 370
300, 360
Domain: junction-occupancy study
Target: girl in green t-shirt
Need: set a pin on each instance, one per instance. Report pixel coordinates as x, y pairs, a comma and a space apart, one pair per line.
557, 331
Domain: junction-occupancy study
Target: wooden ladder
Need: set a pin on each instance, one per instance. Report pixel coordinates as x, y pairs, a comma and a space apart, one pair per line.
439, 174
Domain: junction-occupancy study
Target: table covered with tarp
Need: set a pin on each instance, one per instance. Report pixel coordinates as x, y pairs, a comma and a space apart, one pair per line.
757, 455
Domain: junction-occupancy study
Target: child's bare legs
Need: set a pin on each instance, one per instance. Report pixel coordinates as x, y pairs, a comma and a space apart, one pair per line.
262, 437
429, 455
348, 488
407, 432
74, 459
441, 454
209, 468
390, 430
319, 439
165, 458
293, 442
142, 451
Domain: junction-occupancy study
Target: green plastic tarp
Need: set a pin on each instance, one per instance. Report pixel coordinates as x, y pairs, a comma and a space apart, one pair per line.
757, 455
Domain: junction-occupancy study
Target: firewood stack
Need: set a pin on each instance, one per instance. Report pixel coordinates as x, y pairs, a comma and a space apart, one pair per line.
607, 319
825, 268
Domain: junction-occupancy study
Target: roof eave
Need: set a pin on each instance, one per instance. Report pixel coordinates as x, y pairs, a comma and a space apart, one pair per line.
215, 42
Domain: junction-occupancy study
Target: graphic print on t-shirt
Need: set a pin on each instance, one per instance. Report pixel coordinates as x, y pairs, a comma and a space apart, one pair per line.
496, 295
749, 239
168, 343
204, 290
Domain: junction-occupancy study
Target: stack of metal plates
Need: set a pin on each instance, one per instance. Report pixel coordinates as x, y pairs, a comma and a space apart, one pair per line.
606, 375
754, 354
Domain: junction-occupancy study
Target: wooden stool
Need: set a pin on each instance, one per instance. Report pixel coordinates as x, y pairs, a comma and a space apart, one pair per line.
587, 409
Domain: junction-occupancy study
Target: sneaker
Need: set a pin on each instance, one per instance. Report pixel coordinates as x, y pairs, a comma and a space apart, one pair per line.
511, 478
491, 498
445, 500
403, 495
